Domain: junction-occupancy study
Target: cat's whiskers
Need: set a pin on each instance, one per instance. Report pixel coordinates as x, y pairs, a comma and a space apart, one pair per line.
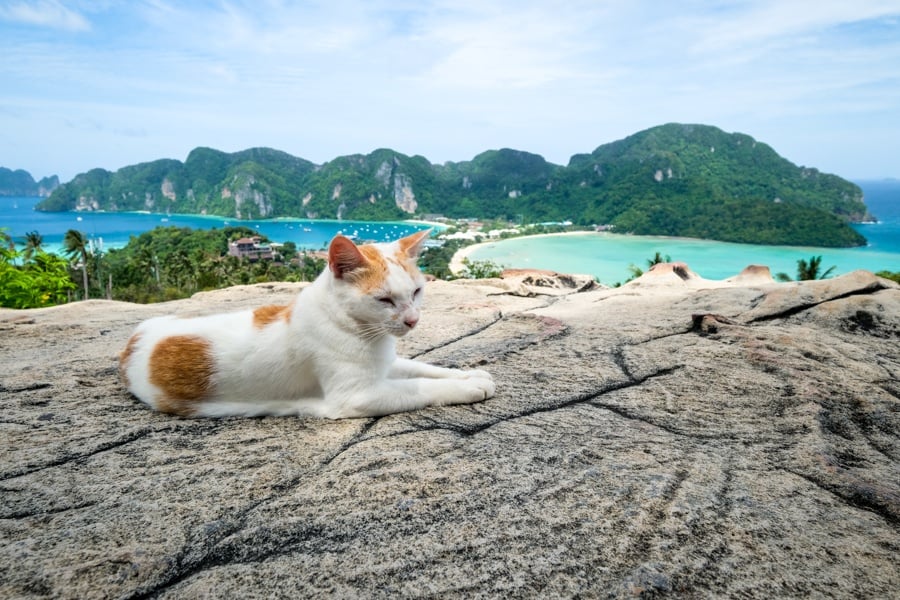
372, 331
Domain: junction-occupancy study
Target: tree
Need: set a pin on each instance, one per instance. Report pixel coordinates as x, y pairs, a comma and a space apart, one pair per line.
892, 275
43, 281
288, 251
76, 246
656, 259
481, 269
807, 271
6, 241
33, 244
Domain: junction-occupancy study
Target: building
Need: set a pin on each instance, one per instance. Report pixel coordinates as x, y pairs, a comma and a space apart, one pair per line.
251, 249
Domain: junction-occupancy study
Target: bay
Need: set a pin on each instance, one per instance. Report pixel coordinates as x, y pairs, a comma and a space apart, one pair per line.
113, 230
603, 255
607, 256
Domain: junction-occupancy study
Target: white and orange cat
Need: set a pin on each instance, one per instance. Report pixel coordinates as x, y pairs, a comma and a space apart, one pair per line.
330, 353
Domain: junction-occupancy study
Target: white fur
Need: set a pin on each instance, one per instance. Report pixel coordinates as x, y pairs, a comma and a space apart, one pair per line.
334, 358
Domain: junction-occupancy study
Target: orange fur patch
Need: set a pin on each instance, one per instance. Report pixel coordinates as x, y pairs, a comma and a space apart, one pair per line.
406, 263
125, 358
266, 315
182, 366
371, 276
409, 251
411, 241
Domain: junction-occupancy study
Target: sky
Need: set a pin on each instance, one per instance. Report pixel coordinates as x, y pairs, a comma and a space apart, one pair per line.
108, 83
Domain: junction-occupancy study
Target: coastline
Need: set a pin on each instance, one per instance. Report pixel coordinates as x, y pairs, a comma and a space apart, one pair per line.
456, 265
607, 256
432, 224
115, 228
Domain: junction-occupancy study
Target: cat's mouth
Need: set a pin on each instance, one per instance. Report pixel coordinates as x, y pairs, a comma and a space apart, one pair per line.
402, 328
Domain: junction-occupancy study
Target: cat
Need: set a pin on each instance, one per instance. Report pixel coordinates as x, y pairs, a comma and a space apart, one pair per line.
329, 353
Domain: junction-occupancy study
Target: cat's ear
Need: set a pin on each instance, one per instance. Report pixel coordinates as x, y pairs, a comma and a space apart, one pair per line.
411, 245
344, 256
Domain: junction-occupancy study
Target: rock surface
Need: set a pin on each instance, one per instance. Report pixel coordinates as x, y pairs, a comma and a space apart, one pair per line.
684, 438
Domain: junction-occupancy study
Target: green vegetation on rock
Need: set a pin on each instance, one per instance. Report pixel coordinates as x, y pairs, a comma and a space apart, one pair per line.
680, 180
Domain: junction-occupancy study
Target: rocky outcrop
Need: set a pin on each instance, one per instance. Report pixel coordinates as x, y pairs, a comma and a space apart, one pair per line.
687, 439
532, 282
403, 194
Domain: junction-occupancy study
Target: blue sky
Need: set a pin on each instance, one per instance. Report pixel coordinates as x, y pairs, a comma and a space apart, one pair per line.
107, 83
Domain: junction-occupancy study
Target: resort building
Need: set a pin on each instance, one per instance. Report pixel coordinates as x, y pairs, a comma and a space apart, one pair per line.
251, 249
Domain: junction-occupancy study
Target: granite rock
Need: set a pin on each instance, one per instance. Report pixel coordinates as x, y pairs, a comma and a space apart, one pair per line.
673, 437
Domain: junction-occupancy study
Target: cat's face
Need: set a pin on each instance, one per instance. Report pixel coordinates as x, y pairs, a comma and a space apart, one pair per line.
379, 285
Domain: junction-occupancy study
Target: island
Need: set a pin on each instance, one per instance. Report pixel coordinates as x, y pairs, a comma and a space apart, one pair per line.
675, 179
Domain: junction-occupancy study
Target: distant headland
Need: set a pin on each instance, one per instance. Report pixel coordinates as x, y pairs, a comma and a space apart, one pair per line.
21, 183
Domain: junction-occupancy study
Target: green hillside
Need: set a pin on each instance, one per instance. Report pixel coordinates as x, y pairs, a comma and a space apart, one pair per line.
21, 183
680, 180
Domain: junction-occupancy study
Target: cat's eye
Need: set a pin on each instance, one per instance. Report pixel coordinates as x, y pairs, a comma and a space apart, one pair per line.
386, 300
417, 292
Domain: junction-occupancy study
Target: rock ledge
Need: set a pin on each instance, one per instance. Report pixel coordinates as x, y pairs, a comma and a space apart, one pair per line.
674, 436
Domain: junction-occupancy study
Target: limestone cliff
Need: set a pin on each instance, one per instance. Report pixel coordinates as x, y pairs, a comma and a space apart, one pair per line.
675, 437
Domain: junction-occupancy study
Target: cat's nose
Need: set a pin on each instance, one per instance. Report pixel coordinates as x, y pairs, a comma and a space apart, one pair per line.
411, 322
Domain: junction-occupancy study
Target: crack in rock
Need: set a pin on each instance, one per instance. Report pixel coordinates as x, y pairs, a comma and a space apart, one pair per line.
473, 332
471, 430
869, 289
359, 436
862, 497
27, 388
27, 514
121, 440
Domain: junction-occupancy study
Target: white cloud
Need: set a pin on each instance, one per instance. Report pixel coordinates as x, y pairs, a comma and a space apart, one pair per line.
445, 78
776, 24
45, 13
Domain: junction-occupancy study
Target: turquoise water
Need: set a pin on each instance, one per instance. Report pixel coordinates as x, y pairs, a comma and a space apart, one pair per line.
114, 229
607, 256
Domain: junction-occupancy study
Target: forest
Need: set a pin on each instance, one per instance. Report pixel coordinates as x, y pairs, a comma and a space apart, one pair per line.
166, 263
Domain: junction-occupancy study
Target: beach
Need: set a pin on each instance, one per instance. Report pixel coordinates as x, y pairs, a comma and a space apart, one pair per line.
608, 256
456, 263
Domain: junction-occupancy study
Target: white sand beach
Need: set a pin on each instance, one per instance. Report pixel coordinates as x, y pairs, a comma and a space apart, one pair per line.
456, 263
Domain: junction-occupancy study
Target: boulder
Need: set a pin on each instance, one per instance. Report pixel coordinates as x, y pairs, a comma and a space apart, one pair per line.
674, 436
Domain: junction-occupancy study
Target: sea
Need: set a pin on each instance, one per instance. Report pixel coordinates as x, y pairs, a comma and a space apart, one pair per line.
109, 230
606, 256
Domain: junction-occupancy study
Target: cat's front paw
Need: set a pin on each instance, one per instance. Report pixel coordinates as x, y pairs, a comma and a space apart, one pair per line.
467, 391
482, 385
487, 384
474, 374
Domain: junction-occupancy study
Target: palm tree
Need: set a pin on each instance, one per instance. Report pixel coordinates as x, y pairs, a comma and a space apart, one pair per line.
145, 264
76, 245
179, 269
807, 271
810, 270
8, 252
33, 243
656, 259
